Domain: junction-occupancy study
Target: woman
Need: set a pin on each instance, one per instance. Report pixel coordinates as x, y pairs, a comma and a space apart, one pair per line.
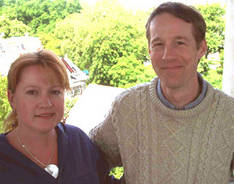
36, 147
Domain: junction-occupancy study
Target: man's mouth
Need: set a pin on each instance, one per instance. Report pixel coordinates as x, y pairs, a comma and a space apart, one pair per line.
172, 67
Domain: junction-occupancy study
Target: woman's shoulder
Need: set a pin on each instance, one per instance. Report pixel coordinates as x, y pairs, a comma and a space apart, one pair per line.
71, 131
3, 142
75, 135
69, 128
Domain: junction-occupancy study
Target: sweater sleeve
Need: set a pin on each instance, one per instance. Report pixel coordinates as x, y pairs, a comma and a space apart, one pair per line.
104, 136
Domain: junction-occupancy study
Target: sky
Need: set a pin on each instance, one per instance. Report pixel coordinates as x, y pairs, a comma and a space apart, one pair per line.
147, 4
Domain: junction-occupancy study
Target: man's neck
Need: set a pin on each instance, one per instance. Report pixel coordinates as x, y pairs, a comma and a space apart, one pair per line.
182, 96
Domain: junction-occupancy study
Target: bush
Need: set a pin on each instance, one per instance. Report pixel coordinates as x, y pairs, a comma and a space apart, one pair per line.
69, 103
4, 105
117, 172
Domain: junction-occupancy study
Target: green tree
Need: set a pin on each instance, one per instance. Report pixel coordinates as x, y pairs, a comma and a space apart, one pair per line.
127, 72
40, 15
12, 27
214, 17
4, 105
50, 42
107, 40
1, 4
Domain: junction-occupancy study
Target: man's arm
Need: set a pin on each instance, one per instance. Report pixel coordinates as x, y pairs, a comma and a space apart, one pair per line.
104, 136
232, 169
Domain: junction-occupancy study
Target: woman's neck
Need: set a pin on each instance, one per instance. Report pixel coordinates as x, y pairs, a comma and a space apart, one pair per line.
35, 146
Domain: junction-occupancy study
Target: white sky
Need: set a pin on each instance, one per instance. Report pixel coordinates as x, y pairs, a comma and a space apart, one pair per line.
147, 4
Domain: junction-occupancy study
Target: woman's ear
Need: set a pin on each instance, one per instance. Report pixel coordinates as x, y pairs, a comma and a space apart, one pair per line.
10, 96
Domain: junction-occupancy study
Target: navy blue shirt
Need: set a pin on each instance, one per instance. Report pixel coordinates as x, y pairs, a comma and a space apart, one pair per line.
79, 161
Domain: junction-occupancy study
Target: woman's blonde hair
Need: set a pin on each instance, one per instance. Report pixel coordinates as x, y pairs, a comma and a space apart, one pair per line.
44, 58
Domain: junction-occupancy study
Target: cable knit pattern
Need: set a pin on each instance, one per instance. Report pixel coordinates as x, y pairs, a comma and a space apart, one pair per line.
158, 145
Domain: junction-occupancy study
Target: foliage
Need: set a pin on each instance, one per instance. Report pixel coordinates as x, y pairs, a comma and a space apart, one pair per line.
214, 17
12, 27
214, 79
215, 70
128, 72
40, 15
69, 103
108, 41
50, 42
4, 105
117, 172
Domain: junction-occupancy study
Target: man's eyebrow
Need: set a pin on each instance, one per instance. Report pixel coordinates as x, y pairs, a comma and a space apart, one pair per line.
181, 38
156, 39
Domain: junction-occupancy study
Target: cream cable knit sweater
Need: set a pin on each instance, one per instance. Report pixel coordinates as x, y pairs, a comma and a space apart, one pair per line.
159, 145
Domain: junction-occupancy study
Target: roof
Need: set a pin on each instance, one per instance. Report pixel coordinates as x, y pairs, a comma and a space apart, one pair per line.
92, 106
12, 48
75, 74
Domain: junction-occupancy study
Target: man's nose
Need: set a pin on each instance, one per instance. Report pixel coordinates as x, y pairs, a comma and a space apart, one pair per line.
168, 52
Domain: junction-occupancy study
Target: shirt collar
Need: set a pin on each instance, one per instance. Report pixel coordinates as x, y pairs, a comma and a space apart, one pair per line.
188, 106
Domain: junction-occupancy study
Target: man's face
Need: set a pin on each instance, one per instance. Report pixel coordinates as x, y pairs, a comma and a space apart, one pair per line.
173, 51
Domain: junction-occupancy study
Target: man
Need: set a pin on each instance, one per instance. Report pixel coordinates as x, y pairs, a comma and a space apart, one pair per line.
176, 129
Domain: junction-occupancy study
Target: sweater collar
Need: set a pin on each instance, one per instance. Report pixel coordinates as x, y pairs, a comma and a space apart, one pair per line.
188, 106
187, 113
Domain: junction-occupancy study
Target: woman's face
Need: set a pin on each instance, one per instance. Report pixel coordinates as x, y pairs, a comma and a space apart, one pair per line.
38, 99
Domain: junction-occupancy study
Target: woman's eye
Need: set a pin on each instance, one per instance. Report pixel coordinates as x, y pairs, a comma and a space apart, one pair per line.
56, 92
32, 92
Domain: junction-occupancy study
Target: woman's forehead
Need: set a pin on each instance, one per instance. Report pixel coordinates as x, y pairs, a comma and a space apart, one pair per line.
36, 73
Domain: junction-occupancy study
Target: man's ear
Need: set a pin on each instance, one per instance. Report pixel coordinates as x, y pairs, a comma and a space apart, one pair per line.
10, 96
202, 48
149, 49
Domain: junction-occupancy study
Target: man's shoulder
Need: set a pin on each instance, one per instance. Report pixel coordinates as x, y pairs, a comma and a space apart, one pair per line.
134, 91
227, 103
225, 97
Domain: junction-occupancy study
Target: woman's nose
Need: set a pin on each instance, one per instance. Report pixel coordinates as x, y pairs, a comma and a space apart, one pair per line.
45, 101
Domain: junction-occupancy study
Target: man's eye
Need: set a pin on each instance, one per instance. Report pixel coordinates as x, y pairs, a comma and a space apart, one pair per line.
180, 43
32, 92
158, 44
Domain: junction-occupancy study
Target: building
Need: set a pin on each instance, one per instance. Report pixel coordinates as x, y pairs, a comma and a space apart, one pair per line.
12, 48
77, 78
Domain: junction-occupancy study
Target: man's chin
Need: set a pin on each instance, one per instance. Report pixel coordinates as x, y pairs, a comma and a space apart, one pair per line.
172, 83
